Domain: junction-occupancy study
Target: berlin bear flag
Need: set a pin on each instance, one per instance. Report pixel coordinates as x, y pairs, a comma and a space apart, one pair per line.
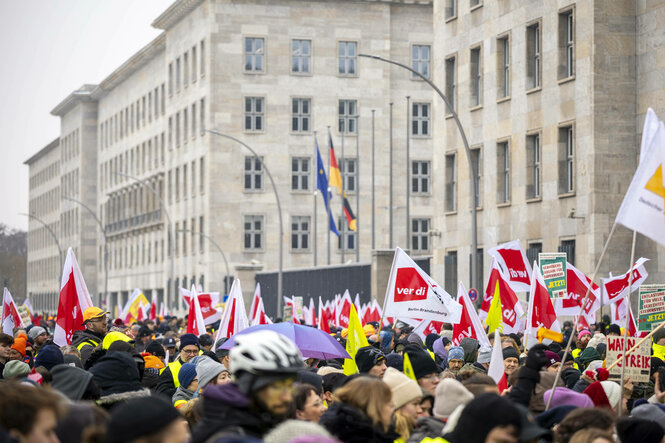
469, 325
74, 300
10, 317
514, 265
411, 293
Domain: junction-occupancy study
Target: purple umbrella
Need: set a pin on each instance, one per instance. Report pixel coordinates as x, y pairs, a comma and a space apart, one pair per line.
312, 342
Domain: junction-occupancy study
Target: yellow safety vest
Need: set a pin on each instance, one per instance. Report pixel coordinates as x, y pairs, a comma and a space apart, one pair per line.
576, 353
175, 368
88, 342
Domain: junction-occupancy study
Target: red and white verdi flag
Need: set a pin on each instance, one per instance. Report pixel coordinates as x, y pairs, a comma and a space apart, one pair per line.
153, 307
496, 369
10, 316
411, 293
469, 325
195, 322
426, 327
618, 314
540, 313
616, 288
255, 302
261, 318
74, 299
234, 318
513, 265
577, 284
344, 310
207, 301
324, 316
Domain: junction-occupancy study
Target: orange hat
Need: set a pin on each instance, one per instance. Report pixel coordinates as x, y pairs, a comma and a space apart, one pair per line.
92, 313
19, 344
151, 361
369, 330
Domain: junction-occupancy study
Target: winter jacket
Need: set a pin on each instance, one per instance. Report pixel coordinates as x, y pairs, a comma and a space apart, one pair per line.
182, 395
85, 341
426, 427
70, 380
116, 373
228, 412
351, 425
581, 384
167, 381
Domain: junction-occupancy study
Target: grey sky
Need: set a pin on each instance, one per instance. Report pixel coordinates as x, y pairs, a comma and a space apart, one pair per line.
49, 49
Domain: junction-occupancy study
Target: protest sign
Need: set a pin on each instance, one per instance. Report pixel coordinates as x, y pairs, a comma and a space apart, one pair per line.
553, 267
25, 315
651, 308
638, 362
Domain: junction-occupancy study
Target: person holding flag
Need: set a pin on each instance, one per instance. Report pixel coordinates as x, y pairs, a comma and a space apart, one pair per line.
95, 323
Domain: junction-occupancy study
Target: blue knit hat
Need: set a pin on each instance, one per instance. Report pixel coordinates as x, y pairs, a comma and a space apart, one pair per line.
456, 353
49, 356
186, 374
188, 339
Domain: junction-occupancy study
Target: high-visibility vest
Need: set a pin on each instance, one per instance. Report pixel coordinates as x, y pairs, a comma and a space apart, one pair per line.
576, 353
175, 368
88, 342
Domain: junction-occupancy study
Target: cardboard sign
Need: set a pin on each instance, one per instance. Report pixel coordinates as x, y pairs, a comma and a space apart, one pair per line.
553, 267
297, 302
288, 313
25, 315
651, 309
638, 362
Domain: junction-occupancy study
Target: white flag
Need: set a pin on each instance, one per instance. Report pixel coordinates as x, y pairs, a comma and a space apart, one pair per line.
616, 288
10, 316
513, 264
234, 318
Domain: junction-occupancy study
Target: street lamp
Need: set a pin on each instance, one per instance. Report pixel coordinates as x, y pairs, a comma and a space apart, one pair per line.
472, 177
168, 218
226, 263
103, 229
279, 209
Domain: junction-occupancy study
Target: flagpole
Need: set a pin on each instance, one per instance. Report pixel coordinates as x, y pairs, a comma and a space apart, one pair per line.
408, 175
328, 199
342, 169
373, 244
315, 171
390, 198
357, 188
628, 309
577, 320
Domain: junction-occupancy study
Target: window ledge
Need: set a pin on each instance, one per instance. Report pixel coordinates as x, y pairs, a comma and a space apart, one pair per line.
449, 116
253, 251
300, 251
301, 192
503, 99
249, 132
450, 213
476, 107
421, 137
475, 8
566, 80
302, 74
297, 133
479, 208
421, 194
253, 191
567, 194
534, 200
503, 205
534, 90
347, 75
254, 72
451, 18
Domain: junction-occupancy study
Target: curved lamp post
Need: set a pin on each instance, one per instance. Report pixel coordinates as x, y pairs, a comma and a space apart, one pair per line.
474, 229
279, 209
214, 243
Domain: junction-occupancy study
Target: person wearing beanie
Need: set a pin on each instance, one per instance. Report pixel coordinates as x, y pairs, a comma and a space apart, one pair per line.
211, 372
15, 369
406, 395
587, 356
568, 397
430, 339
637, 430
117, 376
153, 366
613, 330
450, 394
396, 361
167, 383
484, 356
189, 385
511, 360
49, 356
387, 341
553, 361
424, 367
298, 430
581, 343
371, 361
487, 418
455, 358
146, 419
39, 336
440, 349
470, 346
604, 394
18, 348
75, 383
651, 412
96, 327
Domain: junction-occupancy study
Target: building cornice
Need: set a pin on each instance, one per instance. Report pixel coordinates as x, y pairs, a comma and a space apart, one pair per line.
82, 94
42, 152
176, 12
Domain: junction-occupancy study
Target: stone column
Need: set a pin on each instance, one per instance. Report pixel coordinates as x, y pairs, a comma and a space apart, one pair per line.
382, 260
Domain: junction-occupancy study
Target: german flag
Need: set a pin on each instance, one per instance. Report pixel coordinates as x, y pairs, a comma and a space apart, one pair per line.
350, 218
335, 176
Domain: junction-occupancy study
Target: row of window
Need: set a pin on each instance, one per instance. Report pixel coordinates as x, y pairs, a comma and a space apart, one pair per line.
143, 251
133, 201
533, 169
40, 237
49, 172
187, 68
44, 269
132, 117
533, 62
183, 123
182, 181
187, 238
254, 52
45, 203
142, 158
69, 222
69, 183
70, 145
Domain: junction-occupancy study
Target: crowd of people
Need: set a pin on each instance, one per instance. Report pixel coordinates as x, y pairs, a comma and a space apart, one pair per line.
151, 382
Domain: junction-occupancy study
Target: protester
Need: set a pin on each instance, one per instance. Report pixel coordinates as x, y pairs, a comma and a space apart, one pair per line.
487, 418
307, 404
583, 418
189, 385
148, 419
511, 360
371, 360
211, 372
168, 379
95, 322
455, 358
29, 413
425, 369
39, 337
6, 342
406, 396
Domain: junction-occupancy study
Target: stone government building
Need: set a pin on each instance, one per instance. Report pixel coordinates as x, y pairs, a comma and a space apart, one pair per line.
552, 96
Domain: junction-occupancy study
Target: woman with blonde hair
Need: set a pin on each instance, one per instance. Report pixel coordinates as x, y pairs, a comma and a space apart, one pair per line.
406, 399
362, 412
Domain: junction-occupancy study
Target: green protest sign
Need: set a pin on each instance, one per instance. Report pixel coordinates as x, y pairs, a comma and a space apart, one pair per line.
553, 267
651, 309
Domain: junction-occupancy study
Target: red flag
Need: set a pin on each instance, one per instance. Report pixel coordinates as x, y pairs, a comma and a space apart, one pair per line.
195, 322
74, 300
469, 325
616, 288
10, 317
515, 266
618, 314
577, 284
496, 369
153, 307
261, 318
541, 311
510, 306
344, 310
208, 302
426, 327
324, 317
253, 309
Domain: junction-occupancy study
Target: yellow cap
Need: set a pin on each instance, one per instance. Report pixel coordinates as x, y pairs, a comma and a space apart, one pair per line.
369, 330
93, 312
114, 336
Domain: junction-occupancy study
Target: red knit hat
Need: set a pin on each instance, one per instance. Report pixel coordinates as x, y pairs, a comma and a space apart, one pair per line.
597, 393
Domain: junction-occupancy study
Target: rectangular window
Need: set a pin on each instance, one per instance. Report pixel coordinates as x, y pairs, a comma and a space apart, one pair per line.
420, 234
194, 63
568, 246
201, 238
533, 166
566, 44
532, 251
193, 181
476, 161
177, 74
450, 272
420, 177
254, 113
300, 233
202, 175
185, 68
253, 232
177, 130
177, 239
185, 126
202, 118
347, 116
301, 56
451, 183
451, 79
420, 119
503, 66
253, 174
170, 79
300, 114
451, 11
202, 64
348, 236
184, 238
254, 54
533, 65
420, 59
193, 120
566, 160
347, 58
476, 72
502, 172
162, 101
300, 174
349, 171
177, 184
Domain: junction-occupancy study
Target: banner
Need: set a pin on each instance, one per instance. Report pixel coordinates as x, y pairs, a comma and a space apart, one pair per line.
553, 269
651, 308
616, 288
514, 265
638, 362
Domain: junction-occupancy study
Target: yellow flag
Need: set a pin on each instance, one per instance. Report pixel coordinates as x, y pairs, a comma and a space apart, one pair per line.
494, 315
354, 340
408, 368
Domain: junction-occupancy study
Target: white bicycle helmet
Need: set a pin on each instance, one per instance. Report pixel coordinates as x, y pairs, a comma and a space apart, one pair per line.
264, 352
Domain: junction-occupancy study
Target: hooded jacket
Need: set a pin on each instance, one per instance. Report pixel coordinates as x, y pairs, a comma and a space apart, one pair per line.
117, 376
351, 425
70, 380
228, 412
182, 395
83, 340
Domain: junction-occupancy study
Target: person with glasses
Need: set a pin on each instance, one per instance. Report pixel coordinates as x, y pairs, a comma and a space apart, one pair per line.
95, 322
168, 382
425, 369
